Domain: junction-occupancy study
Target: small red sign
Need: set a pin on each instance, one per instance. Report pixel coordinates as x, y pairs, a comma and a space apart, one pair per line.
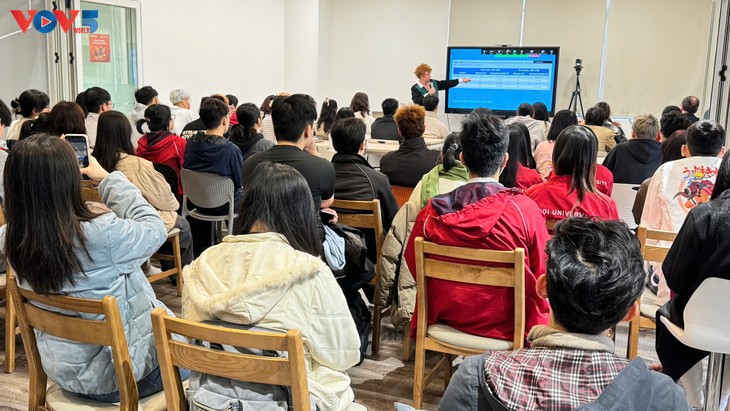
100, 48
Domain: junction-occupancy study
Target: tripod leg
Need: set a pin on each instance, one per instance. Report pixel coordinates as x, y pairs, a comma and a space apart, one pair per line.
580, 100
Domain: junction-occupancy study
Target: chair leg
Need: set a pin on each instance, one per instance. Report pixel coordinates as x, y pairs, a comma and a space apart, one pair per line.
632, 350
714, 382
448, 370
377, 316
10, 325
178, 263
407, 341
418, 377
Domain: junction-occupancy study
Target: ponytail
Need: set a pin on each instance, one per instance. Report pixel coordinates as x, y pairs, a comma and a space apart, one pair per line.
81, 101
140, 123
450, 151
157, 117
15, 104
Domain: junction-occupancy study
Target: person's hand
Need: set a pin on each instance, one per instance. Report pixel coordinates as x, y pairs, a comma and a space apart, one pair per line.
311, 148
94, 171
465, 80
333, 213
617, 124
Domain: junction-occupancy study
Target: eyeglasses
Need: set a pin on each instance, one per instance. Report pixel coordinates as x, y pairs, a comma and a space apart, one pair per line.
110, 104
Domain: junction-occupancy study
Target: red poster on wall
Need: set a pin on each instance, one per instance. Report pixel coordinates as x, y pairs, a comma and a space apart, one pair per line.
100, 48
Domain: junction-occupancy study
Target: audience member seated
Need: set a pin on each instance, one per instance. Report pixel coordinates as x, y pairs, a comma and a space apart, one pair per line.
267, 125
326, 119
444, 178
384, 128
67, 118
536, 127
671, 150
29, 105
671, 122
246, 134
160, 145
180, 110
197, 126
690, 105
516, 174
595, 119
271, 275
434, 127
38, 125
540, 113
360, 105
114, 152
405, 166
679, 186
344, 112
571, 190
210, 152
571, 361
355, 178
700, 251
528, 143
544, 151
294, 118
483, 214
145, 96
63, 245
94, 101
618, 134
635, 160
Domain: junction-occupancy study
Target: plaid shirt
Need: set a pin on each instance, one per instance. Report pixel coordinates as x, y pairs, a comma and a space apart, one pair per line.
549, 379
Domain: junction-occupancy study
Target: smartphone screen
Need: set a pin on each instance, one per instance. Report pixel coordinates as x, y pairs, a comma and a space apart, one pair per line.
80, 144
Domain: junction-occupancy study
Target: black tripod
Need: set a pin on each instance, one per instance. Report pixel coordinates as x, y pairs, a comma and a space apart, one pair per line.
576, 99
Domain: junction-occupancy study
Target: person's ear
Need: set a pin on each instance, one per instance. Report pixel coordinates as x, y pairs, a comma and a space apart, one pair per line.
226, 121
685, 151
171, 125
722, 152
632, 313
633, 134
504, 162
461, 157
156, 100
363, 146
541, 286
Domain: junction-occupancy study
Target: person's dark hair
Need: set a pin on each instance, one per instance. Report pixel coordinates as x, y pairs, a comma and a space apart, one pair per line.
40, 125
92, 99
595, 273
113, 137
690, 104
347, 135
722, 181
248, 115
575, 155
232, 100
344, 113
289, 207
266, 105
42, 240
528, 146
411, 121
672, 146
361, 103
525, 109
327, 115
212, 112
595, 116
389, 106
30, 101
540, 111
430, 102
517, 154
669, 109
146, 95
5, 116
705, 138
562, 120
157, 117
67, 118
291, 115
450, 151
484, 140
606, 108
673, 121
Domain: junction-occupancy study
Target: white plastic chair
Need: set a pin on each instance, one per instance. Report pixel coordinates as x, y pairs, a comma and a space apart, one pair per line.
624, 195
707, 328
208, 190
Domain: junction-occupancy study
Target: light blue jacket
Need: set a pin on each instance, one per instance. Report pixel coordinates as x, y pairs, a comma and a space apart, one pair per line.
118, 243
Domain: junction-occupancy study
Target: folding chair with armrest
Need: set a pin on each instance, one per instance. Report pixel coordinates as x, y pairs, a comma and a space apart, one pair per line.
208, 190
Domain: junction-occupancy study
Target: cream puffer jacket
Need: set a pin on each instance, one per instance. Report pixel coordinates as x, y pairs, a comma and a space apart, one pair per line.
260, 279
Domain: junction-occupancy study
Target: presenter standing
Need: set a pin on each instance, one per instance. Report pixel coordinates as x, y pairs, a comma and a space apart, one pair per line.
426, 86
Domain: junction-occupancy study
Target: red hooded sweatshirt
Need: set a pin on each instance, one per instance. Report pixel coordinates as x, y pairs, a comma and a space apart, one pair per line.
556, 204
166, 148
483, 215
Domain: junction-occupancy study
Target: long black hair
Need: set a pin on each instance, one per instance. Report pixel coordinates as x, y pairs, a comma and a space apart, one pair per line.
531, 163
575, 155
289, 207
562, 120
113, 137
30, 103
157, 117
450, 151
44, 212
517, 154
248, 116
92, 99
327, 114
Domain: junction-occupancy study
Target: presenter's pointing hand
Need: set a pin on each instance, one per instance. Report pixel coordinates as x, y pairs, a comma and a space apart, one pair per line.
465, 80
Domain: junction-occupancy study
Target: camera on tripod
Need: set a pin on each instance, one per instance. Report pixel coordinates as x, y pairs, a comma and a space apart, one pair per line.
576, 100
578, 65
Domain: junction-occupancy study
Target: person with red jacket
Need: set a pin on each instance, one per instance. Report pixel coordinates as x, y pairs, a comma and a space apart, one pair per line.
160, 145
571, 190
486, 215
516, 173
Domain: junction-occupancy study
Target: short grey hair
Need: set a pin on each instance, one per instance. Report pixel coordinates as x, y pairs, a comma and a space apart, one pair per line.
179, 95
646, 126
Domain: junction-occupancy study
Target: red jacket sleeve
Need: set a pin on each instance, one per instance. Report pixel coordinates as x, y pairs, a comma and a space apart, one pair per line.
410, 254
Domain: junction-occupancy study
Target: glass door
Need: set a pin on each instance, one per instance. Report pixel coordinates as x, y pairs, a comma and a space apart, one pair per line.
110, 56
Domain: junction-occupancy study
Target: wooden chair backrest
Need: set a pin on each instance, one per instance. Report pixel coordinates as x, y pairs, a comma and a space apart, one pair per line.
653, 252
174, 354
107, 332
371, 220
511, 277
90, 194
401, 194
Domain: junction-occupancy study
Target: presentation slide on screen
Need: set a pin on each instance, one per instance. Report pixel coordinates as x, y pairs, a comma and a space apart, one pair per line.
502, 78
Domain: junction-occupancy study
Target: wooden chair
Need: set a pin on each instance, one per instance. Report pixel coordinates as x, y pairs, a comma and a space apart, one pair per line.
174, 354
402, 194
11, 329
655, 253
371, 220
444, 339
107, 332
90, 194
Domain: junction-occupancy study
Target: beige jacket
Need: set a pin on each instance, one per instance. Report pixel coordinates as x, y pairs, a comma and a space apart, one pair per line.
260, 279
153, 186
434, 127
606, 140
392, 261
